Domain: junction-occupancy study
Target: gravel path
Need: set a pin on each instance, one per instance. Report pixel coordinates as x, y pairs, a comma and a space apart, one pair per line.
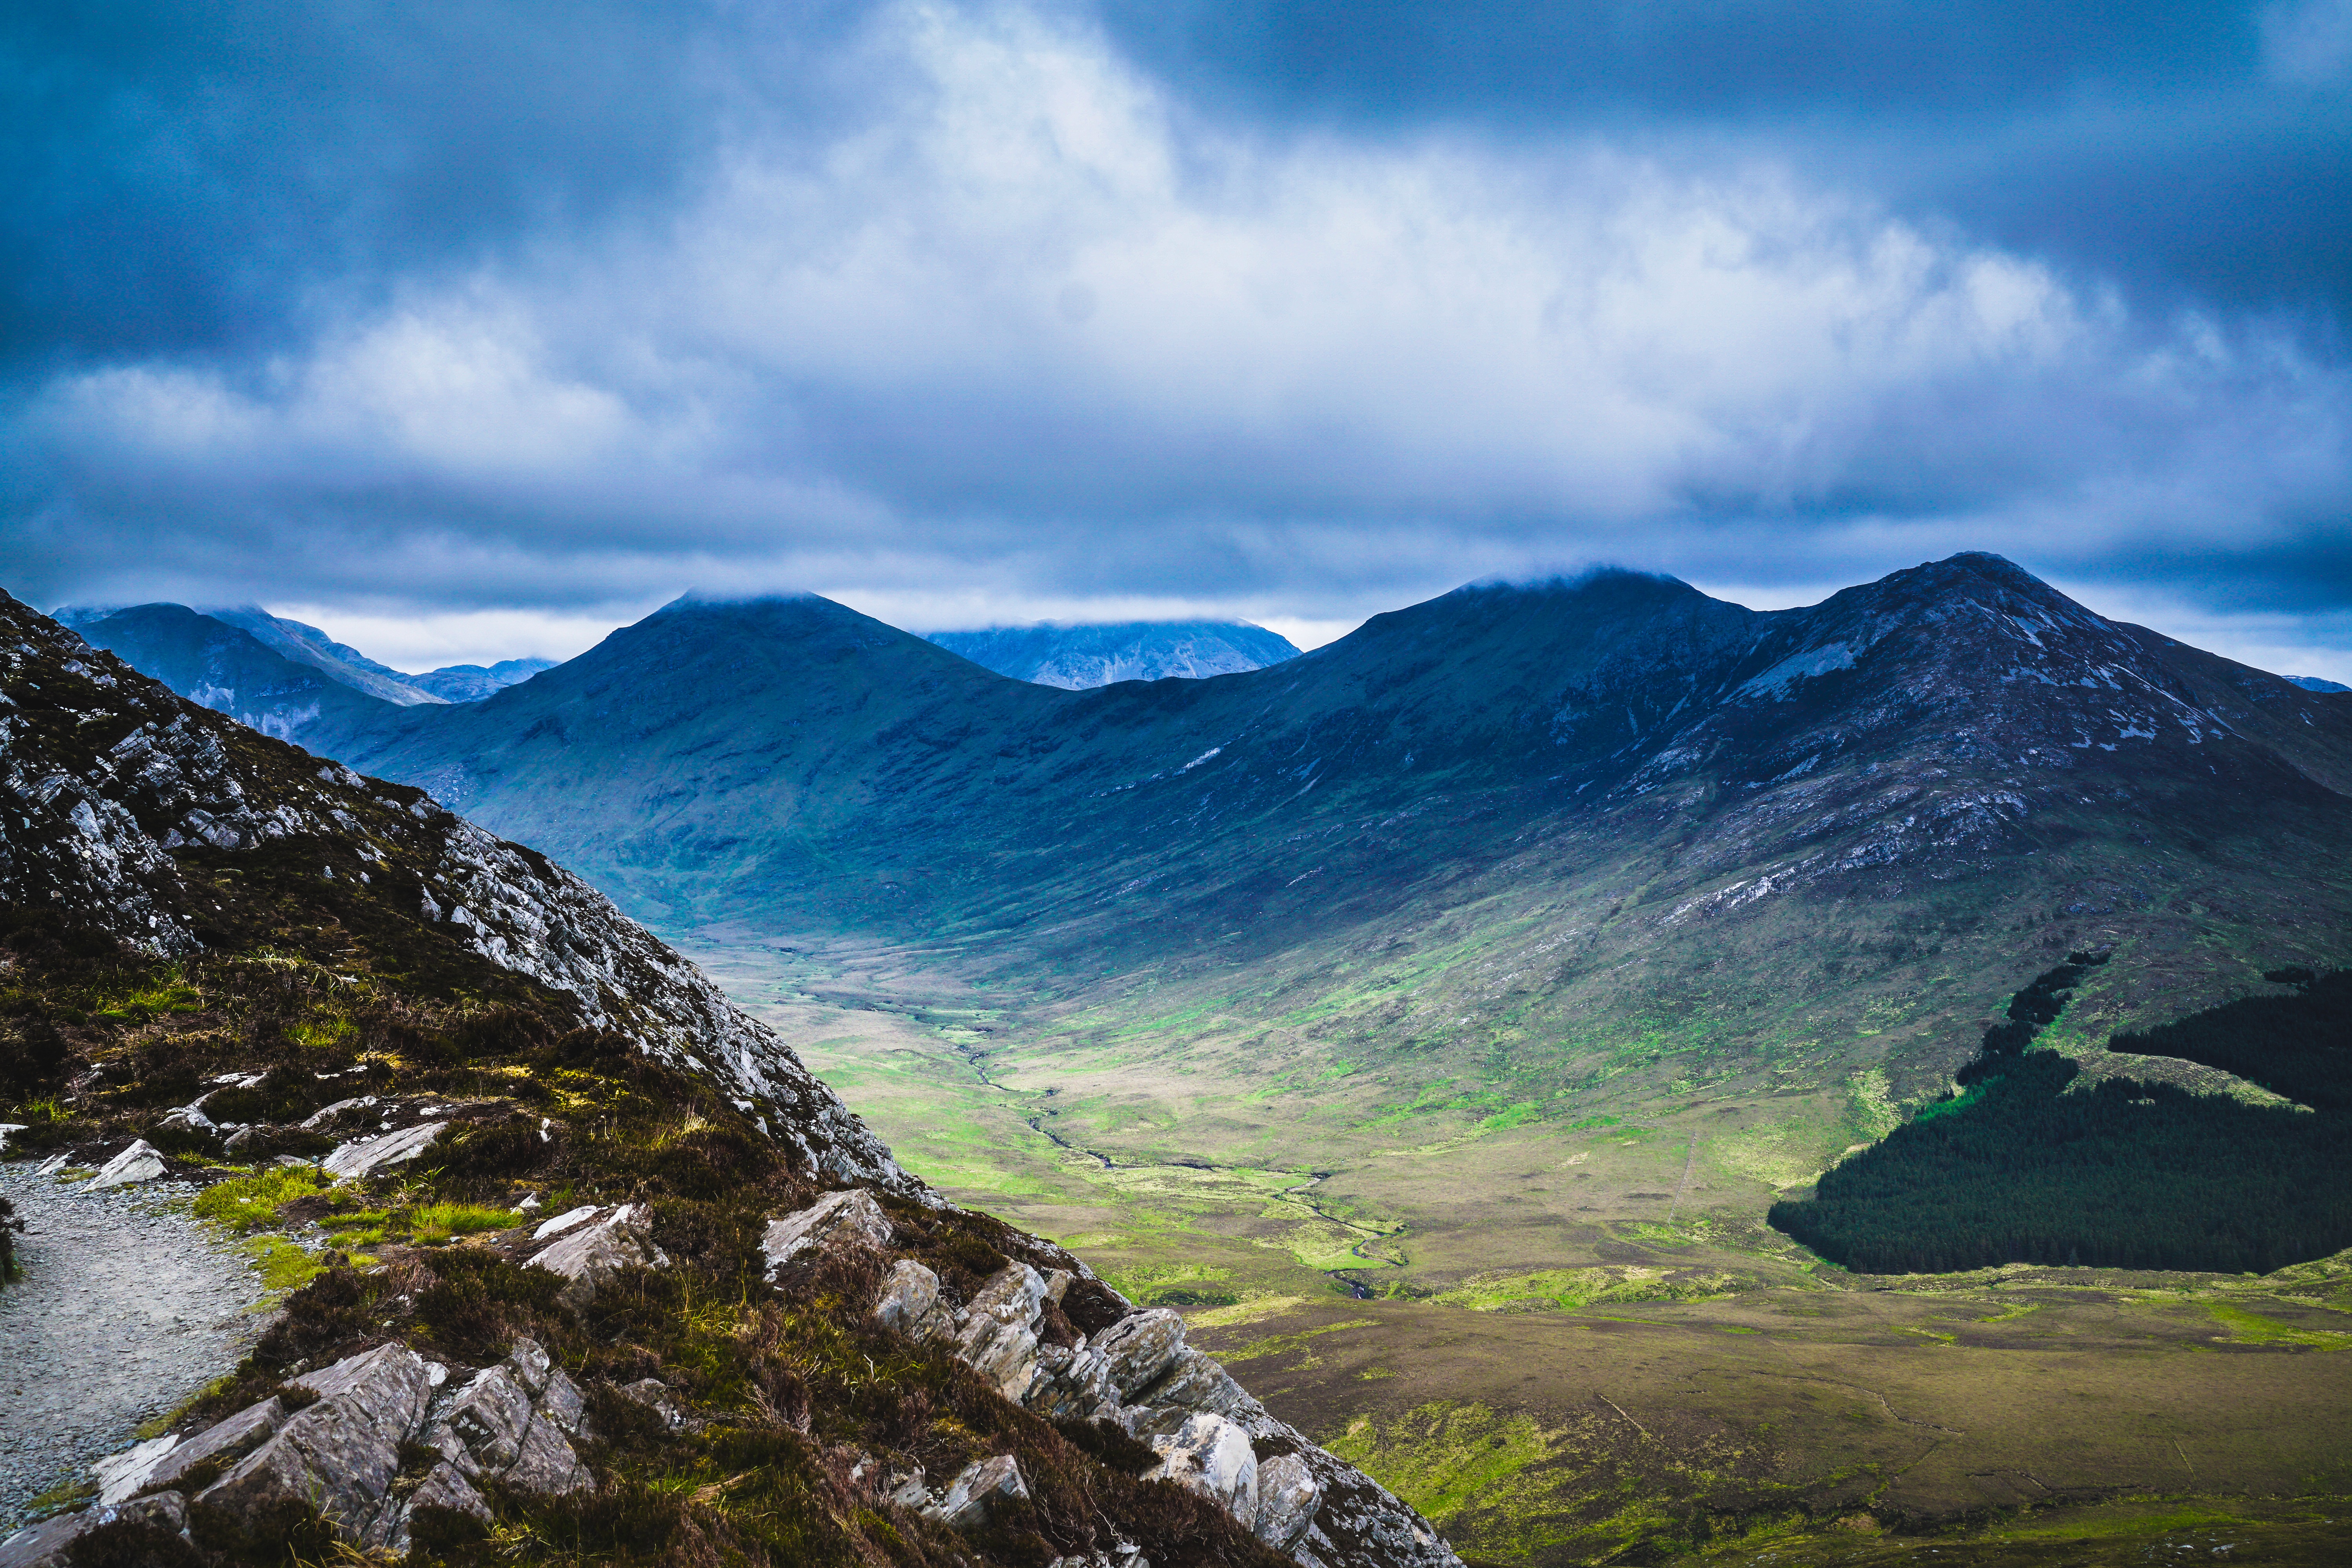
125, 1308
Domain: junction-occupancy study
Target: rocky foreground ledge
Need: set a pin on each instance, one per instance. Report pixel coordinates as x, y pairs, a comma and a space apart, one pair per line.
596, 1270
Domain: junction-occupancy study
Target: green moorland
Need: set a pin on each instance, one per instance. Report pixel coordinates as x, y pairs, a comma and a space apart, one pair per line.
1579, 1341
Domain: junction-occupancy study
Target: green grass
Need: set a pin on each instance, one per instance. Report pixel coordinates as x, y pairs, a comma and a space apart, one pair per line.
2253, 1329
435, 1223
283, 1266
1444, 1456
248, 1202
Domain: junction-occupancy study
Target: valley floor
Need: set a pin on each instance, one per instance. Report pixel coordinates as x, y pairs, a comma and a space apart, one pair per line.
1576, 1342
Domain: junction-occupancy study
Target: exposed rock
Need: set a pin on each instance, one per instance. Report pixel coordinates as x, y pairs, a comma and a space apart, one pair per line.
142, 1162
976, 1493
1211, 1456
49, 1545
363, 1155
1287, 1492
592, 1251
1124, 1554
999, 1336
1057, 1284
1139, 1348
226, 1441
906, 1490
850, 1218
443, 1488
1071, 1384
493, 1428
342, 1453
910, 1302
1195, 1381
120, 1475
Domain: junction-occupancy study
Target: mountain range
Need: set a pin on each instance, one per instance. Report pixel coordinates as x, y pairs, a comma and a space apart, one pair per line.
1077, 658
1650, 799
353, 1020
197, 644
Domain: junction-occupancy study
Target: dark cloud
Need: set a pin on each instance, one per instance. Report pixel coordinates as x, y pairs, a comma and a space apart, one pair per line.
984, 311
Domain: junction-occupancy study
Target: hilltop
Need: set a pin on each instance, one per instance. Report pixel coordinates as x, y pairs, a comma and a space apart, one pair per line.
584, 1255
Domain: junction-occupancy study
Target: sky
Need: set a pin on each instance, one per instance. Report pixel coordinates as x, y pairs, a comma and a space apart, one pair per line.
472, 331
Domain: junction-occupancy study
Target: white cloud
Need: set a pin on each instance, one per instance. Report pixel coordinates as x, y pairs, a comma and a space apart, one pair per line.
1031, 341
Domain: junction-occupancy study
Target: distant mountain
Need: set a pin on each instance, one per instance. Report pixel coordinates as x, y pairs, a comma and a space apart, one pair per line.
1077, 658
339, 661
2313, 683
229, 669
1728, 832
472, 682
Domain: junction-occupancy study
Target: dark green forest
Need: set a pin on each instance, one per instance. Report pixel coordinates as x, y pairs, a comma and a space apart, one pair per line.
2124, 1175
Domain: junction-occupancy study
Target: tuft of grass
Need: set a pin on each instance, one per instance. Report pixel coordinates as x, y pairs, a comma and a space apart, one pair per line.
248, 1202
284, 1265
436, 1223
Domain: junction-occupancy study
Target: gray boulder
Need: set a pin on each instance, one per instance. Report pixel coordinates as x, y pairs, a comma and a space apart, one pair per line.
908, 1302
1071, 1384
142, 1162
342, 1453
1288, 1493
1195, 1381
364, 1156
1212, 1456
850, 1218
590, 1253
442, 1487
974, 1496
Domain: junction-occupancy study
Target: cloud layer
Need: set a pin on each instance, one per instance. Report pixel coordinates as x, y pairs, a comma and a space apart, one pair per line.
962, 313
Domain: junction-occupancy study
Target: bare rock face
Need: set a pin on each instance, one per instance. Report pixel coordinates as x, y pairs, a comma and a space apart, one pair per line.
1212, 1456
342, 1453
850, 1218
591, 1251
166, 1460
976, 1493
999, 1336
1139, 1348
910, 1302
1194, 1380
495, 1428
1287, 1492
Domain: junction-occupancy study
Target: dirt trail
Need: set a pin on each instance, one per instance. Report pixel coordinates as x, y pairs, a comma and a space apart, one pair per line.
126, 1306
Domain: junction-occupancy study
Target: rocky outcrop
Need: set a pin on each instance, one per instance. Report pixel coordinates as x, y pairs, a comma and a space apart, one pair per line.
976, 1493
837, 1219
514, 1423
596, 1244
1138, 1371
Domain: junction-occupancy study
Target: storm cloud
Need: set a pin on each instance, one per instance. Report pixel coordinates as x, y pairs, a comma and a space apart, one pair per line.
1297, 311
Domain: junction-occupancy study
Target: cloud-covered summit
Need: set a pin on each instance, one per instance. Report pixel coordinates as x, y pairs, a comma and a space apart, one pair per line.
987, 312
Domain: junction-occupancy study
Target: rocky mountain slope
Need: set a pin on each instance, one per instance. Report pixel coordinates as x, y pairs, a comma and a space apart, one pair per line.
1078, 657
603, 1270
229, 669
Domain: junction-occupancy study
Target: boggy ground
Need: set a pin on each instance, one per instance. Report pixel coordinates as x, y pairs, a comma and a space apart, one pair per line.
1583, 1345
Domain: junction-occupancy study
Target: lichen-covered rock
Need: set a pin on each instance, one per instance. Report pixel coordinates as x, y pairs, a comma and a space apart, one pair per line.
590, 1253
1139, 1348
653, 1394
1288, 1493
494, 1429
908, 1302
342, 1453
999, 1332
850, 1218
975, 1495
1212, 1456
